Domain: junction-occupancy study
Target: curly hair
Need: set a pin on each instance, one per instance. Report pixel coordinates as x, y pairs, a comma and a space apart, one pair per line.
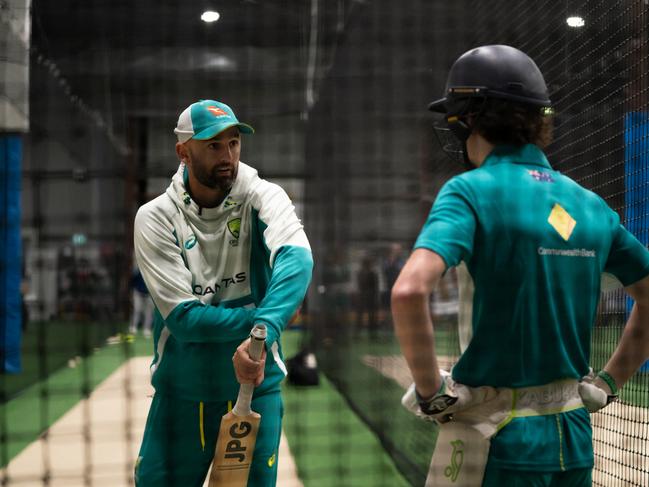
507, 122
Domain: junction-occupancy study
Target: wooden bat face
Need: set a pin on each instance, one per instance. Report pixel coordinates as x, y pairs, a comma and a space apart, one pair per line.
234, 449
238, 432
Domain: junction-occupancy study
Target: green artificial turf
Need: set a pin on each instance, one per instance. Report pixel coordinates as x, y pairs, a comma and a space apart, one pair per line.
48, 346
328, 440
34, 408
330, 444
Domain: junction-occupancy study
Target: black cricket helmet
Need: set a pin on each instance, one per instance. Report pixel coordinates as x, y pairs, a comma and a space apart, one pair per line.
495, 71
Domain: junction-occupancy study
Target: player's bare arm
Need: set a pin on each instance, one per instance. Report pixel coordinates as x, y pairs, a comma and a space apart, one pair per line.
633, 348
412, 320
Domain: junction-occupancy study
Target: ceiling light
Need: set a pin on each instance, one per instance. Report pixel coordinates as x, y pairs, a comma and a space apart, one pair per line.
210, 16
575, 21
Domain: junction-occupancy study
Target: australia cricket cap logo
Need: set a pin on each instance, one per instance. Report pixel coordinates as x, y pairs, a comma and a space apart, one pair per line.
234, 226
216, 111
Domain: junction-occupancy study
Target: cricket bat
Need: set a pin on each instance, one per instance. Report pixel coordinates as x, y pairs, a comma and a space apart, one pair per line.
238, 432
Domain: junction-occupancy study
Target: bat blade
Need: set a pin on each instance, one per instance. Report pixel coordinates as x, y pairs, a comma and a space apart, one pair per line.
234, 450
238, 431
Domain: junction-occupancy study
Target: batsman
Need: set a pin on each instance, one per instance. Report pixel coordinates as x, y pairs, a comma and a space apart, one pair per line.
531, 246
221, 250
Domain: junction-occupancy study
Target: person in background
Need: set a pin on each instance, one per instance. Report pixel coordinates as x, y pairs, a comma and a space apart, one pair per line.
392, 266
142, 305
367, 292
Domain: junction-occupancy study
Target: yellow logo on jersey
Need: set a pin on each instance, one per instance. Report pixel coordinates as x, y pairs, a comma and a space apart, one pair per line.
271, 460
235, 226
561, 221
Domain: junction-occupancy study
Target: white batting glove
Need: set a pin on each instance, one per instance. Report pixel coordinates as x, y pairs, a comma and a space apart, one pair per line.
597, 390
451, 398
411, 402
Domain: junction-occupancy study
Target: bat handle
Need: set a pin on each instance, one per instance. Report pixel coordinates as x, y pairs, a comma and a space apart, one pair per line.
257, 341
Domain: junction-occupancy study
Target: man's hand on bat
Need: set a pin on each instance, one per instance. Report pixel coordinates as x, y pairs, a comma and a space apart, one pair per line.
247, 370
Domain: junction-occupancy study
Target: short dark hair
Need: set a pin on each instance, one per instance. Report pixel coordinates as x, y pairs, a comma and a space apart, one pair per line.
513, 123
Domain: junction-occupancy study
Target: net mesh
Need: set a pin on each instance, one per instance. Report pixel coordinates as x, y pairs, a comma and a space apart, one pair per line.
597, 76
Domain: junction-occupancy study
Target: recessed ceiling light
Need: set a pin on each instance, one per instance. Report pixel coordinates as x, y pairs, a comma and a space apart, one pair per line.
210, 16
575, 21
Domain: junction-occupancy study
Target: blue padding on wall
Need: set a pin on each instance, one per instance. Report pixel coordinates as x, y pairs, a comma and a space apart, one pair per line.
636, 179
10, 252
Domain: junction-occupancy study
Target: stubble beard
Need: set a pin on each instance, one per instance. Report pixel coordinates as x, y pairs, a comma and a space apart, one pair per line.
212, 179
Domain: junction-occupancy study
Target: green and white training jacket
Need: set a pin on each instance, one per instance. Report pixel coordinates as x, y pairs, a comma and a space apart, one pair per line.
215, 272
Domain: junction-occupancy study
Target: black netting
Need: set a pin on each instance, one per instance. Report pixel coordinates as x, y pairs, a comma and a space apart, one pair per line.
386, 175
338, 93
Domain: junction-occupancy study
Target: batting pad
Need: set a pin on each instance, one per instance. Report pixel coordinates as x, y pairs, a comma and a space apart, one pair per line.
460, 457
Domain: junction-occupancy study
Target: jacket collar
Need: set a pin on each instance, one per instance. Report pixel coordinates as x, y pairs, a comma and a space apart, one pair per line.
178, 191
528, 154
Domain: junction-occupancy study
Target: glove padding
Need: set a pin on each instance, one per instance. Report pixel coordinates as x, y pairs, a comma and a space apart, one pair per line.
595, 392
451, 398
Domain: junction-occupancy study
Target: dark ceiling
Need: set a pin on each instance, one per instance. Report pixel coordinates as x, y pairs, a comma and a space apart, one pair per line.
71, 26
149, 58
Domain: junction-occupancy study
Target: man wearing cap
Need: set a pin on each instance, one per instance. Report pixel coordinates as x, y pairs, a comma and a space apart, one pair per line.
531, 246
220, 251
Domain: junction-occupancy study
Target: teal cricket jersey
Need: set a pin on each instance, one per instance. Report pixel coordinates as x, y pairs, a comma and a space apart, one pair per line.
535, 244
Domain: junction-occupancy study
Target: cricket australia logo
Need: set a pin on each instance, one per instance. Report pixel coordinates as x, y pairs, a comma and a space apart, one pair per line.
234, 226
457, 457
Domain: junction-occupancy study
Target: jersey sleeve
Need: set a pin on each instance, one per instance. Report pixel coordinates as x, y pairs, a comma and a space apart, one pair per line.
289, 258
628, 259
169, 283
450, 227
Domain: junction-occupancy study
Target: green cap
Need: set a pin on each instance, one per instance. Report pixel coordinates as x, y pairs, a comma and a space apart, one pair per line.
206, 119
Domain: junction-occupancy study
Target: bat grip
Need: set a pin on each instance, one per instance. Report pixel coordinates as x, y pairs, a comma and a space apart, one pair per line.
255, 349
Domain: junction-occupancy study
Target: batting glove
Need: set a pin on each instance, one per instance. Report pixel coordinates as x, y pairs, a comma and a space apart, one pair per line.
597, 390
452, 397
429, 409
436, 405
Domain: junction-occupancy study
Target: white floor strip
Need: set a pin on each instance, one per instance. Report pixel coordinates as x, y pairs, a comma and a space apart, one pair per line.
96, 442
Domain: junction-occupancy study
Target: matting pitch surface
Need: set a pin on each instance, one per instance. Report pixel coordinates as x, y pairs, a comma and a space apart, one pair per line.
620, 432
96, 442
